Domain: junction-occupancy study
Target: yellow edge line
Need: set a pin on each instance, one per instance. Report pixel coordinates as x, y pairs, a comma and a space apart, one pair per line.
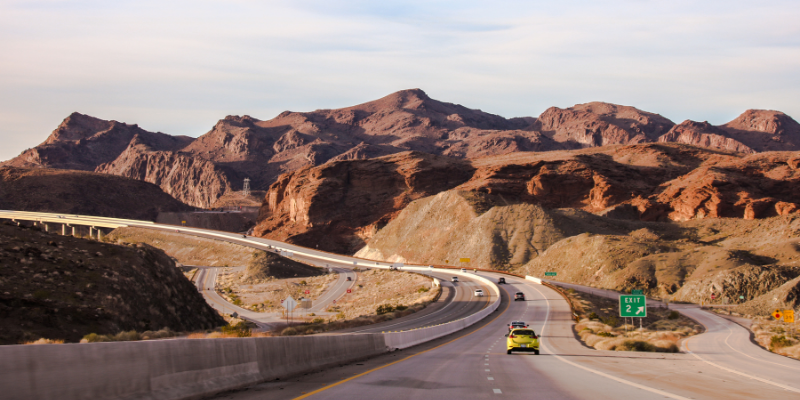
395, 362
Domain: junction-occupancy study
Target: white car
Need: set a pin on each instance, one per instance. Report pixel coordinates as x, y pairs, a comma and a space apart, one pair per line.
454, 279
479, 292
464, 270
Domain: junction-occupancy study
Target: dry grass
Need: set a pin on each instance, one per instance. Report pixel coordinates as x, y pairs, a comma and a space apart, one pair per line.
625, 338
777, 336
188, 250
266, 294
46, 341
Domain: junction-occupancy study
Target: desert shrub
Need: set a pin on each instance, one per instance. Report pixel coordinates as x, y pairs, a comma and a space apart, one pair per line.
422, 289
95, 338
46, 341
239, 330
401, 307
779, 341
384, 309
674, 315
317, 321
593, 315
610, 320
635, 345
605, 334
303, 282
289, 332
128, 336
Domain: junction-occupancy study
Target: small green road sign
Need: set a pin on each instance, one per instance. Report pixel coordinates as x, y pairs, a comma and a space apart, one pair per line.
741, 297
637, 291
550, 274
632, 306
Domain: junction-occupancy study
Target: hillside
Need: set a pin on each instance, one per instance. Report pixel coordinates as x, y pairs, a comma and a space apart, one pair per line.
60, 287
340, 205
686, 261
81, 192
200, 171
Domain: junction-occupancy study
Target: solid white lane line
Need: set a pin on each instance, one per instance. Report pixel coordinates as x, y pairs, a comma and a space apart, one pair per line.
767, 381
620, 380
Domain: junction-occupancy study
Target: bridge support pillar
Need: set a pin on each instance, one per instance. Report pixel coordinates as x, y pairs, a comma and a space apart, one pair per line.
63, 229
99, 234
91, 231
74, 231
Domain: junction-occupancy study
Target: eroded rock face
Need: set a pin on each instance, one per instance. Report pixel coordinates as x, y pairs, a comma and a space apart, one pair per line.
650, 182
704, 134
340, 205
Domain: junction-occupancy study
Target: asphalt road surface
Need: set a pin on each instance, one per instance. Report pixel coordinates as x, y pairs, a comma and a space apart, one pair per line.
474, 365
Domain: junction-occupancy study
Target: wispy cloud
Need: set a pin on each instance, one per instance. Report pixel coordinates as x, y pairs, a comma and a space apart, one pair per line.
179, 66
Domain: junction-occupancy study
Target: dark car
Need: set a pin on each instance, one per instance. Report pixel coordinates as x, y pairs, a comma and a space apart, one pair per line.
501, 281
349, 278
519, 296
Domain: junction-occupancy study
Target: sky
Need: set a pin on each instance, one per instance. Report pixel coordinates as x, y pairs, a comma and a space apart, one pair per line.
178, 67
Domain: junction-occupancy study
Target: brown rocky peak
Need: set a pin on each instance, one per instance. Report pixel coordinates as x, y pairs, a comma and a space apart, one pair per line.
78, 126
766, 121
599, 124
704, 134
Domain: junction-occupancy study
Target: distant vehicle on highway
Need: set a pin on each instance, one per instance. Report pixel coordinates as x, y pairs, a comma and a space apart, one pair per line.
464, 270
479, 292
516, 325
522, 340
454, 279
349, 278
519, 296
501, 280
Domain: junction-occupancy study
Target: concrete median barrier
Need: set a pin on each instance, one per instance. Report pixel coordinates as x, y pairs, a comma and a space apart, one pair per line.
169, 369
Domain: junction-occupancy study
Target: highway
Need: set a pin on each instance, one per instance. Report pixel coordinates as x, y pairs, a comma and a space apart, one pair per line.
474, 365
464, 303
721, 363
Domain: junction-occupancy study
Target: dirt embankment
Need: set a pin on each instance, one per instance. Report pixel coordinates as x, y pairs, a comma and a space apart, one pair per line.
188, 250
59, 287
709, 260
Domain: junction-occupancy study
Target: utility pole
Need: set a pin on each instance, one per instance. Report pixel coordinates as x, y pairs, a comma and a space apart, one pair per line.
246, 188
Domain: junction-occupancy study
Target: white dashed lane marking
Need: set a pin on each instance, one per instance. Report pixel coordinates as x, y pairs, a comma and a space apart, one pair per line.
497, 391
490, 378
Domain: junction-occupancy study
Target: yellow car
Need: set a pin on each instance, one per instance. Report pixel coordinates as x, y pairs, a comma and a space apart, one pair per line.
522, 340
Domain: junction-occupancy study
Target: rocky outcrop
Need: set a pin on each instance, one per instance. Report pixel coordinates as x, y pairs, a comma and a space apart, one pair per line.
651, 182
703, 134
765, 130
81, 192
60, 287
188, 179
600, 124
340, 205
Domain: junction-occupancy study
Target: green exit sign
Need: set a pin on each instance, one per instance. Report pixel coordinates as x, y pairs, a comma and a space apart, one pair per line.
637, 291
550, 274
634, 305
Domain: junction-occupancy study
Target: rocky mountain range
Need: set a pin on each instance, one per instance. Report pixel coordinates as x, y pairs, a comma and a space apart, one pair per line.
341, 205
200, 171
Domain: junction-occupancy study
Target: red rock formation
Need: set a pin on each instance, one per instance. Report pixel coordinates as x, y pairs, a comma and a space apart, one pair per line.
340, 205
765, 130
704, 134
199, 171
600, 124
